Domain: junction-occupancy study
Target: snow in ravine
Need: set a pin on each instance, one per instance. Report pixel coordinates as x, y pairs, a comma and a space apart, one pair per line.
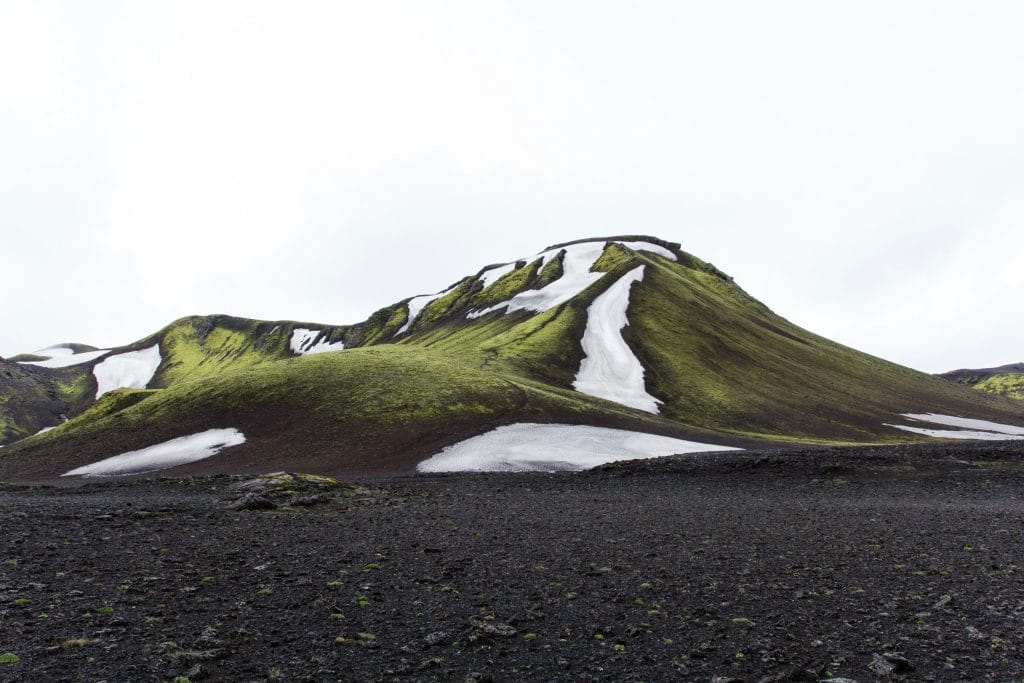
416, 306
492, 275
576, 277
528, 446
161, 456
648, 246
609, 369
981, 430
131, 370
304, 342
63, 357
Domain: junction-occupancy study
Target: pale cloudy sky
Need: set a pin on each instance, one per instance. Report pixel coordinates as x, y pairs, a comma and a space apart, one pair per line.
858, 166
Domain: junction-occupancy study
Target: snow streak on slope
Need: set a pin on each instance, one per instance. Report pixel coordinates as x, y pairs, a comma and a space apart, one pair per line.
966, 423
609, 369
529, 446
492, 275
981, 430
576, 277
63, 357
416, 305
161, 456
132, 370
304, 342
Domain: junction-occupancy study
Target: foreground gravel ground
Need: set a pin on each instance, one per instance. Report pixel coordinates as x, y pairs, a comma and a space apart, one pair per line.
868, 564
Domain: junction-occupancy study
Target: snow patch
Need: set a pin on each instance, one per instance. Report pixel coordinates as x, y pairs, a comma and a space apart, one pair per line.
609, 369
957, 433
304, 342
966, 423
131, 370
161, 456
971, 429
63, 357
416, 305
648, 246
527, 446
492, 275
576, 277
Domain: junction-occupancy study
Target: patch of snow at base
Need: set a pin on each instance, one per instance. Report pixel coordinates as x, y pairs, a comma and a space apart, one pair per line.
957, 433
161, 456
416, 305
63, 357
609, 369
131, 370
576, 277
44, 430
526, 447
304, 342
966, 423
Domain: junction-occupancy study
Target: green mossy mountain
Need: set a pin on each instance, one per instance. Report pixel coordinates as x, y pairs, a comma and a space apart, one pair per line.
725, 368
1006, 380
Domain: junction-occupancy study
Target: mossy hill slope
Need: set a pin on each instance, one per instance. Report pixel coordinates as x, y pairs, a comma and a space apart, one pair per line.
714, 355
371, 410
502, 345
1007, 380
33, 397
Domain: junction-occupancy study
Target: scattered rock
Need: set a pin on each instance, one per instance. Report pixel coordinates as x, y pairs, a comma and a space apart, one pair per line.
888, 663
435, 637
491, 627
252, 501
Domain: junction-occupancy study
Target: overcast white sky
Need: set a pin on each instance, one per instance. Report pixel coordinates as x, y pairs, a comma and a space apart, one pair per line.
857, 166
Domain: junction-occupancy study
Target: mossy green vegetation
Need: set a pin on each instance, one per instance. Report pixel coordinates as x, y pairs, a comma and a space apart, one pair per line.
508, 285
194, 348
378, 408
1010, 385
721, 359
553, 270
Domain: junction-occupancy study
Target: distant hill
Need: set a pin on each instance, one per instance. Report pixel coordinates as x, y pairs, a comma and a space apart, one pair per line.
1007, 380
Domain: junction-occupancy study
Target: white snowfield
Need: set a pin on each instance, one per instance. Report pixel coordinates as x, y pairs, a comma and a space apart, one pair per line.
416, 305
131, 370
609, 369
576, 277
161, 456
304, 342
972, 429
60, 356
527, 447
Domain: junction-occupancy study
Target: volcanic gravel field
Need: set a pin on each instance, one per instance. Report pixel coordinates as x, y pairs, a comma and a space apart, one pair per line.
903, 563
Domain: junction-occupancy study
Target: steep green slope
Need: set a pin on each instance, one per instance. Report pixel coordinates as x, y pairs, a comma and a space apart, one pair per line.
379, 409
207, 346
1007, 380
715, 355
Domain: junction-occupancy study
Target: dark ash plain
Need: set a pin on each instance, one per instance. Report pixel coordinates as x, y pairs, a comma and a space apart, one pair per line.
870, 563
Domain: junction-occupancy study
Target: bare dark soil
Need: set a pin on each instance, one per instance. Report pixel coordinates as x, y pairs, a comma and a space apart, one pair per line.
870, 564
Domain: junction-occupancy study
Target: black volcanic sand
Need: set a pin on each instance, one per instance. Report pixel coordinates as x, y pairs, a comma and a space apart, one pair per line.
869, 564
